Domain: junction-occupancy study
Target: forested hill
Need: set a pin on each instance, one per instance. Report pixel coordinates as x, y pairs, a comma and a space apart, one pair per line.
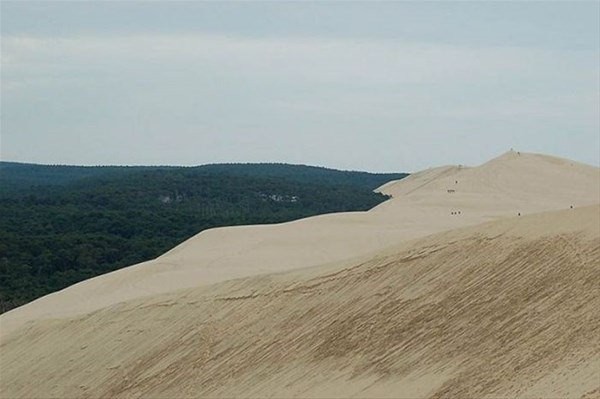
18, 176
63, 224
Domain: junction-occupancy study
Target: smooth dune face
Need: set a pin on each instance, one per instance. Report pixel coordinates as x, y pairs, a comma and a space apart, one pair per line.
369, 304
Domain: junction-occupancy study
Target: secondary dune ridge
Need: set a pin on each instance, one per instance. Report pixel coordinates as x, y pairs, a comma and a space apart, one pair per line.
501, 309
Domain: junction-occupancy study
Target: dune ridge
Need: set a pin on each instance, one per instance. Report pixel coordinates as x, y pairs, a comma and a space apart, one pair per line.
470, 282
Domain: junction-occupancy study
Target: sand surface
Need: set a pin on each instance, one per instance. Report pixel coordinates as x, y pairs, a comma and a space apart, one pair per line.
406, 300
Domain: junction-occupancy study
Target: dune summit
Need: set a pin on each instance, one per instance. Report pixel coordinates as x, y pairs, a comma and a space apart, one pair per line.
469, 282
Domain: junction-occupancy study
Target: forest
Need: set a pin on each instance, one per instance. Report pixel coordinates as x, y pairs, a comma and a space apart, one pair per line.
63, 224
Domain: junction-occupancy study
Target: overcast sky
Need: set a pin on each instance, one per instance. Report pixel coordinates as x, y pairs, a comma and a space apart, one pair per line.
368, 86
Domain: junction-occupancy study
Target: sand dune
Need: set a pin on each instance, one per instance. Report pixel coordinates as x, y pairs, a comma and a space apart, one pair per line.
503, 309
415, 298
504, 187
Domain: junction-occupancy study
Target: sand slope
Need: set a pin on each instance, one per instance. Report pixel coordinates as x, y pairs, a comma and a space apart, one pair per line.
510, 184
410, 299
504, 309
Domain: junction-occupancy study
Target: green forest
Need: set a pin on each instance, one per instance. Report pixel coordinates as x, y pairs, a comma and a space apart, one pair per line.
63, 224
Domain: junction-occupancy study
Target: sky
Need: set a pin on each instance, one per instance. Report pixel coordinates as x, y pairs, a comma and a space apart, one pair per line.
377, 86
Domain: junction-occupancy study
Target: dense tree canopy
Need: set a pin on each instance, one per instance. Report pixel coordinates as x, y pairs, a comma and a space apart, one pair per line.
63, 224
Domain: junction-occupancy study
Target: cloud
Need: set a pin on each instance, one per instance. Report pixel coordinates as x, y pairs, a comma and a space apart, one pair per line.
289, 91
341, 60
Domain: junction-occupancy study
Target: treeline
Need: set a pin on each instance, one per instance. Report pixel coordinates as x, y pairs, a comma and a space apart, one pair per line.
60, 224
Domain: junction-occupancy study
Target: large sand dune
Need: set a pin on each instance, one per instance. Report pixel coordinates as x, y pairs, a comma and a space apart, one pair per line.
363, 304
504, 187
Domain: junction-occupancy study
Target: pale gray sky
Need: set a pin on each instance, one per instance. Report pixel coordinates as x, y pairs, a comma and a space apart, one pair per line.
370, 86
